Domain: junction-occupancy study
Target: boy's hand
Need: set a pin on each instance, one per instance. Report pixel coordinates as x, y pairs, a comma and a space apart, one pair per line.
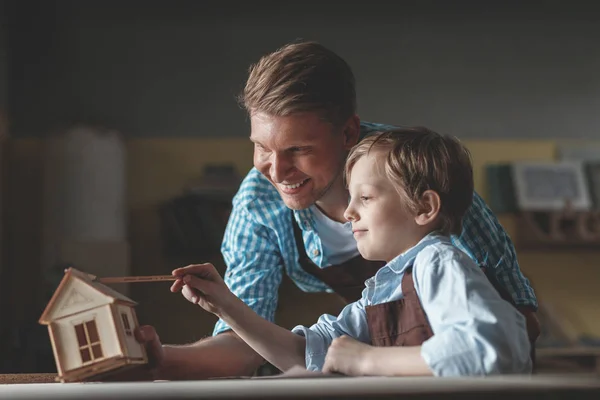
347, 356
201, 284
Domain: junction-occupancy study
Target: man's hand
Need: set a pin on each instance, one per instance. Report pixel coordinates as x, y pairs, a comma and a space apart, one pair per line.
147, 336
201, 284
347, 356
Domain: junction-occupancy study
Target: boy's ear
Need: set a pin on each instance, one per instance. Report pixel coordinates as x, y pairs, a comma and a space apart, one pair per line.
351, 132
429, 208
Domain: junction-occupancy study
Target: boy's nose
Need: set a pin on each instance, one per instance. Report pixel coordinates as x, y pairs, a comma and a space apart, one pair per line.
350, 215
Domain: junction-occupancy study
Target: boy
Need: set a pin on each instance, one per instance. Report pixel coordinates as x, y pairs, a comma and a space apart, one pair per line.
431, 307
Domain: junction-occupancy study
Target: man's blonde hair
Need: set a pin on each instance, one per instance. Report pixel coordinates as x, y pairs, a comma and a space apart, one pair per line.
418, 159
301, 77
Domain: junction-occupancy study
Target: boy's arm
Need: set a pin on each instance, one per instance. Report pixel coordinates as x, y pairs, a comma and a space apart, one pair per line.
309, 346
329, 330
351, 357
201, 284
275, 344
476, 332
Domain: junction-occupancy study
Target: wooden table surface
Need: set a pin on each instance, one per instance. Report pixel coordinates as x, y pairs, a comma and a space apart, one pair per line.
309, 388
27, 378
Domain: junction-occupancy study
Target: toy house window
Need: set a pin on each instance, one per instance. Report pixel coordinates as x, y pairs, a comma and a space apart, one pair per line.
88, 339
126, 325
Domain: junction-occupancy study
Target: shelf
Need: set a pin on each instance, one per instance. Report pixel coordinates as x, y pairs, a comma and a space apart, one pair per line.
553, 230
568, 359
568, 351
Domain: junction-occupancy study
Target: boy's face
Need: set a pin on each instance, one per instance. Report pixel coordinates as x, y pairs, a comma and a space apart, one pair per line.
301, 155
382, 225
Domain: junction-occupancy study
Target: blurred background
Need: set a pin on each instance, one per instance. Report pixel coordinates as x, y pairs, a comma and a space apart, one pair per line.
122, 143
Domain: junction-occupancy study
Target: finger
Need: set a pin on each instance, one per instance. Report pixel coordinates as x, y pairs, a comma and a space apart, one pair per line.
327, 366
146, 334
193, 269
190, 294
203, 285
340, 341
177, 285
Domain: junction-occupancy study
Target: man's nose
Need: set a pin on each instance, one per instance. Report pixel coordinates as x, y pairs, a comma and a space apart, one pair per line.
280, 167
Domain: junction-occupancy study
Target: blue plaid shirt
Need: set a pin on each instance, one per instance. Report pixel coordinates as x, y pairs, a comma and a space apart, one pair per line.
259, 245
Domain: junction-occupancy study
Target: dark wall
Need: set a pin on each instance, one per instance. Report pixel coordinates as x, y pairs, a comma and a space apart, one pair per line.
3, 58
172, 68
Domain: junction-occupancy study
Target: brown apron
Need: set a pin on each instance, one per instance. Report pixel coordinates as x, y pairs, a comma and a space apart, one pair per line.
401, 322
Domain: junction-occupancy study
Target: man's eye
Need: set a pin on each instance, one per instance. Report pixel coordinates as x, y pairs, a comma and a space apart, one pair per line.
298, 149
364, 198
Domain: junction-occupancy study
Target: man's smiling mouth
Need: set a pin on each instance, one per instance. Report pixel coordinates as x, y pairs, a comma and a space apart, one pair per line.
293, 186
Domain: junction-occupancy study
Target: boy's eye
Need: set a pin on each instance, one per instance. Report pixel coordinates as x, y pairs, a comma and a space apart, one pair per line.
365, 198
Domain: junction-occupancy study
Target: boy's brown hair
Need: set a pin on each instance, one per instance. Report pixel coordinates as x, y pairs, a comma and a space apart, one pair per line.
418, 159
301, 77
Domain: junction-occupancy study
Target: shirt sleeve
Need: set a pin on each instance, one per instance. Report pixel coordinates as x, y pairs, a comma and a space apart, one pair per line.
484, 239
476, 332
352, 321
254, 264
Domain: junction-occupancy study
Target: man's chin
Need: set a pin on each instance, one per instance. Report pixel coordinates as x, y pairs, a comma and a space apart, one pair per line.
295, 203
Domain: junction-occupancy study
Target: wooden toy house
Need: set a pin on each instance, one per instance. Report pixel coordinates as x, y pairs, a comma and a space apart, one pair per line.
91, 329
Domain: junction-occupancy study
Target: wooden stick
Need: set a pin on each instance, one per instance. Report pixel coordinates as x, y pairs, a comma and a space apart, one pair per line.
131, 279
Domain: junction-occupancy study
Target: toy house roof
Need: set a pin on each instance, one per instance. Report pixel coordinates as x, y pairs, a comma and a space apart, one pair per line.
68, 297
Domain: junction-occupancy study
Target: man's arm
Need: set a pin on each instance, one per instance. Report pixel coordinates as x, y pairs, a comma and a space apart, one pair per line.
253, 257
486, 242
217, 356
222, 355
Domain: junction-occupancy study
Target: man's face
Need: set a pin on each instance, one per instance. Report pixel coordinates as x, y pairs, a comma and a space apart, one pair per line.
301, 155
382, 225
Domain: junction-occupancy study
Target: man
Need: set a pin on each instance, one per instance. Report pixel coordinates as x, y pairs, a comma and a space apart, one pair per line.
288, 214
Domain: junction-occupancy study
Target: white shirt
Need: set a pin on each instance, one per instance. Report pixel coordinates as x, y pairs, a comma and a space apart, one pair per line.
337, 239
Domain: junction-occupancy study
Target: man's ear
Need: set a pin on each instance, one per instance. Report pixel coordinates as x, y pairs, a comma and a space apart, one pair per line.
351, 132
429, 208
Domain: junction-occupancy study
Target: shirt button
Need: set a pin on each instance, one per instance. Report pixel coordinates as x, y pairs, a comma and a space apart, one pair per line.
315, 252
